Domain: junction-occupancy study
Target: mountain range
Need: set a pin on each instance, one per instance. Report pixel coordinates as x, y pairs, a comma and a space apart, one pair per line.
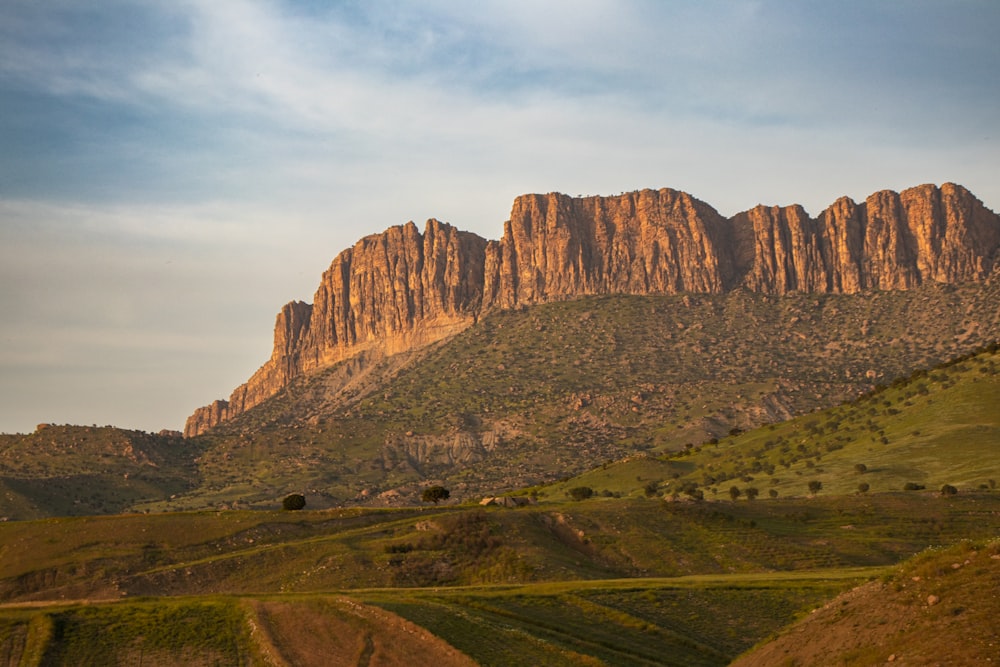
402, 290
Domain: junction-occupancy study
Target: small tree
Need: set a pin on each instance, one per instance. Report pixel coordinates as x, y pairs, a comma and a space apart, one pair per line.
580, 492
773, 493
752, 492
734, 492
860, 468
863, 487
435, 494
814, 486
293, 502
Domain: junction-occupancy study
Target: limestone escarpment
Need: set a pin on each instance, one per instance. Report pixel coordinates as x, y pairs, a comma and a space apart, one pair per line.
402, 289
647, 242
891, 241
388, 293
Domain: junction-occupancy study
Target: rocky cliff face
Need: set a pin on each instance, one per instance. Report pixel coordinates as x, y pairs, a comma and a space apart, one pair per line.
402, 289
390, 292
648, 242
892, 241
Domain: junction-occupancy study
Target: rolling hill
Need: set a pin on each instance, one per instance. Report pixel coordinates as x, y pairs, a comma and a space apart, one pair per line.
642, 573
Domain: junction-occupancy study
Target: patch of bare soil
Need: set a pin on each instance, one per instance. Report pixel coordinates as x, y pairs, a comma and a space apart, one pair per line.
344, 632
941, 610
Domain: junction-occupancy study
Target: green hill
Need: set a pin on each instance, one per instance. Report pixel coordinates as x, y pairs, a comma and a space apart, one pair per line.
647, 556
83, 470
933, 428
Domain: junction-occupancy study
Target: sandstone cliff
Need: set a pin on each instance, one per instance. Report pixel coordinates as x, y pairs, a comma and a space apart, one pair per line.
402, 289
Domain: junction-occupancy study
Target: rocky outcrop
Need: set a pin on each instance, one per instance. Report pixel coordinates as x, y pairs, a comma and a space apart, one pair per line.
388, 293
394, 291
648, 242
402, 289
892, 241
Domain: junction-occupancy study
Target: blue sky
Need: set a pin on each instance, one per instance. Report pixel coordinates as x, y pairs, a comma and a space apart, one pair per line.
172, 172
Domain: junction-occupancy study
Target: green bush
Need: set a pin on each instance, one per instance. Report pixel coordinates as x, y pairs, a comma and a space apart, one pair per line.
293, 502
435, 494
580, 492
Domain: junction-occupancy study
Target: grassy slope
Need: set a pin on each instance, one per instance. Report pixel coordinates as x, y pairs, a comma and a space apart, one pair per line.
84, 470
530, 395
938, 608
935, 428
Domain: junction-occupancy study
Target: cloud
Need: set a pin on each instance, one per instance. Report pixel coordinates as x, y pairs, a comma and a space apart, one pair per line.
175, 171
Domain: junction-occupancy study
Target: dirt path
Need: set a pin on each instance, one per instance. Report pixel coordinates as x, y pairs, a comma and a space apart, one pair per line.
340, 631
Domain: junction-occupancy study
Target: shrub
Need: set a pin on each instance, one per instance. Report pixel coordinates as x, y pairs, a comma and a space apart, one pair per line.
734, 492
814, 486
913, 486
860, 468
435, 494
948, 490
863, 487
293, 502
580, 492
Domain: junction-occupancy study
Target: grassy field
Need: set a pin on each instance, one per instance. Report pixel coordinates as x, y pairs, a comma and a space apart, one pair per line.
253, 552
624, 622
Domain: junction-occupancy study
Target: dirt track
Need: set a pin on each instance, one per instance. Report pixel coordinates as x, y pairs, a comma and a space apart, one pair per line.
344, 632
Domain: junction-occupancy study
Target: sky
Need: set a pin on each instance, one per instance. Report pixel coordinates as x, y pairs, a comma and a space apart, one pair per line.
173, 171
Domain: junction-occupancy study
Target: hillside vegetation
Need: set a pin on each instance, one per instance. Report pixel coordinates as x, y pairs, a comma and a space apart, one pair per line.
934, 428
532, 395
659, 566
